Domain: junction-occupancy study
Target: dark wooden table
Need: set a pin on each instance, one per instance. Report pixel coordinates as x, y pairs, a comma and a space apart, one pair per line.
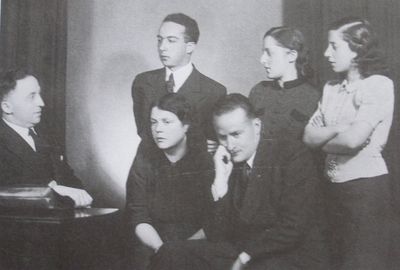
59, 239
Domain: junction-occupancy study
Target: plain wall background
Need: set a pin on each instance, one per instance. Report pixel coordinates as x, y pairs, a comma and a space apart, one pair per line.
111, 41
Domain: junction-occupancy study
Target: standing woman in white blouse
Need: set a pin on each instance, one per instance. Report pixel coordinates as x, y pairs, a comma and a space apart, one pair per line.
351, 125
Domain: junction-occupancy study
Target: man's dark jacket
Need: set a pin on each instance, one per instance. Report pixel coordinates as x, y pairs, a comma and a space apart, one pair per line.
21, 165
280, 212
200, 91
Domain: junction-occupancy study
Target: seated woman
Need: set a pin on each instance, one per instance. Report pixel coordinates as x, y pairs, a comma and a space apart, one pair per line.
166, 187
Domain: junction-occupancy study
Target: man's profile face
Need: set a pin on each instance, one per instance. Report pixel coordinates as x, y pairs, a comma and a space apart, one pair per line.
23, 105
174, 52
238, 134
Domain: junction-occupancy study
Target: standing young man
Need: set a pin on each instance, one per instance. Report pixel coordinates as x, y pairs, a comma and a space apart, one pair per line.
177, 39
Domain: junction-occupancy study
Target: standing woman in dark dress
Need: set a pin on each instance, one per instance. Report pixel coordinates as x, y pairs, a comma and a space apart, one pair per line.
287, 99
166, 187
352, 125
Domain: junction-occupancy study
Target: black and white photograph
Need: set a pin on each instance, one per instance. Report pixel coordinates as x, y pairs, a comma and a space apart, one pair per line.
199, 135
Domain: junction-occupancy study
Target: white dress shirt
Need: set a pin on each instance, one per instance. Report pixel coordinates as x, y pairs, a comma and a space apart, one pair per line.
23, 132
180, 75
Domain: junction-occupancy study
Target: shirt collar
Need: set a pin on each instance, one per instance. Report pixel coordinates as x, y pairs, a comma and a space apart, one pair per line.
345, 86
250, 161
180, 75
288, 84
23, 131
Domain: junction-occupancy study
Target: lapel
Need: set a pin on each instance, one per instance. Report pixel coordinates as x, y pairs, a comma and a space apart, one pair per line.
16, 145
192, 83
192, 89
260, 181
157, 82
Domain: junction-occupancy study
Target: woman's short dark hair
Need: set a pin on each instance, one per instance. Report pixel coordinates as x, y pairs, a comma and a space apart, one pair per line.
363, 41
187, 114
293, 39
178, 105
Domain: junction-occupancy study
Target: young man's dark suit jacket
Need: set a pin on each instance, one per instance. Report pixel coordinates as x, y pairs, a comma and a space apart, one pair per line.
201, 92
280, 215
20, 164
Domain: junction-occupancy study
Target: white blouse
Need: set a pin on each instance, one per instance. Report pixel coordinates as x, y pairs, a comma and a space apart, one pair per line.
370, 100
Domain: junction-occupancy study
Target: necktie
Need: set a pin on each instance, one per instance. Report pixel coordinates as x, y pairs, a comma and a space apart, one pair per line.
246, 174
170, 83
243, 182
35, 138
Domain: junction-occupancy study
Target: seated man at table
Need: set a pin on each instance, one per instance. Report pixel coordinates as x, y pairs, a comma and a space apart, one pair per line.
266, 205
28, 157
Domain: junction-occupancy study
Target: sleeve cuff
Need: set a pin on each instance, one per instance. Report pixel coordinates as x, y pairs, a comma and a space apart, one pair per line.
52, 184
244, 258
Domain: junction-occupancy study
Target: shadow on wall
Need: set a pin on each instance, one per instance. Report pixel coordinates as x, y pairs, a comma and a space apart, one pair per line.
100, 131
113, 138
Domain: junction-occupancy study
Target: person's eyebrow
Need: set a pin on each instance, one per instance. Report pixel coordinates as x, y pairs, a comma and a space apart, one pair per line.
158, 36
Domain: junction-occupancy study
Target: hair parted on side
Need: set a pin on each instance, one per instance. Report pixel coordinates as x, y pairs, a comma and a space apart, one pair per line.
232, 102
192, 31
362, 40
176, 104
293, 39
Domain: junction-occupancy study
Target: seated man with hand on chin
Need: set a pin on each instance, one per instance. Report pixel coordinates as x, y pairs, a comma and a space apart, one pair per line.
28, 157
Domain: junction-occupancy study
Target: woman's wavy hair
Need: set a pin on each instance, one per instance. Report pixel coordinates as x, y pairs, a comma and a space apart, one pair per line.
293, 39
363, 41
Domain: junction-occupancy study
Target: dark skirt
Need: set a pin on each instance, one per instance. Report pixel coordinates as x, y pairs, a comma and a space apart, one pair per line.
360, 215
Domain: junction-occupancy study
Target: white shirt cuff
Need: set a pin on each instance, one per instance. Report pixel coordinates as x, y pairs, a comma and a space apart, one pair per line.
244, 257
52, 184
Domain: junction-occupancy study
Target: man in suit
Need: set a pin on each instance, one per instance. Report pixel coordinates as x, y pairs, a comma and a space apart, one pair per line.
27, 156
265, 196
177, 39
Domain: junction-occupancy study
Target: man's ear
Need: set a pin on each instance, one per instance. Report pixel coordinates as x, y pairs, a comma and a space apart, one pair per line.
257, 125
292, 56
186, 127
6, 107
190, 46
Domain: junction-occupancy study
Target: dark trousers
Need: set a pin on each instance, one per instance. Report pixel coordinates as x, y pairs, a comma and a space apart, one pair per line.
206, 255
360, 218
